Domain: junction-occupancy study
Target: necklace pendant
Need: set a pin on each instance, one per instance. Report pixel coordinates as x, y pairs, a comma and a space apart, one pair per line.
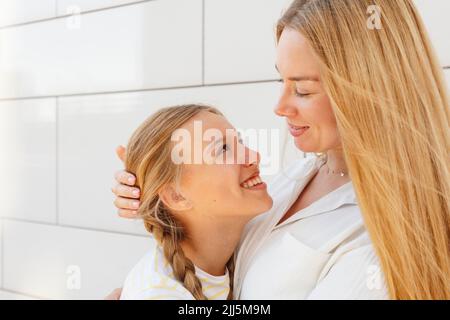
342, 174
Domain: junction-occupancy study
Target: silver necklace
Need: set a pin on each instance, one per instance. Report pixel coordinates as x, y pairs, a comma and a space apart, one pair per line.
341, 173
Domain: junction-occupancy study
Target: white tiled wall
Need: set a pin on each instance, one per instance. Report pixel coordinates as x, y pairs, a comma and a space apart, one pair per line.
1, 253
53, 262
73, 6
132, 47
247, 39
73, 87
435, 13
23, 11
28, 139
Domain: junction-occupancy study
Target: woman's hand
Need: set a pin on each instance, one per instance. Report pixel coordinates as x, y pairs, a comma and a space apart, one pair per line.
114, 295
127, 195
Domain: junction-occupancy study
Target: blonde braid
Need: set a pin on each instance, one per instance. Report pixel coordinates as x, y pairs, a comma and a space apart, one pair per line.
169, 234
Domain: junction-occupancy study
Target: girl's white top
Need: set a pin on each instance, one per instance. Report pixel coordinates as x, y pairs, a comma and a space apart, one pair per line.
321, 252
152, 278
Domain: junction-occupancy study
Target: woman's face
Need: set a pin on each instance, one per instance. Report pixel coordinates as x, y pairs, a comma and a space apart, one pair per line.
219, 185
303, 101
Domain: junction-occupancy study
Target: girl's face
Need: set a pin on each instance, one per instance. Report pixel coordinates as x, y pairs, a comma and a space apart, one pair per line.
304, 102
225, 182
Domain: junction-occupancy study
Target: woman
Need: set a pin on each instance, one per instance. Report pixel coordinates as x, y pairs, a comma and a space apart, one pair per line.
195, 209
373, 101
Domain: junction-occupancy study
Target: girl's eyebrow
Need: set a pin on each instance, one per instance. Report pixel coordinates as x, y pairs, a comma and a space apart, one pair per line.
302, 78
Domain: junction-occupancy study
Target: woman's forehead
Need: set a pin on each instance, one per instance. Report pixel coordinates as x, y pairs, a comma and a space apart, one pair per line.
295, 57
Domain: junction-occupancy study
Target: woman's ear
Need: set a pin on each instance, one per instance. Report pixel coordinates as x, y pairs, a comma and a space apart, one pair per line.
173, 199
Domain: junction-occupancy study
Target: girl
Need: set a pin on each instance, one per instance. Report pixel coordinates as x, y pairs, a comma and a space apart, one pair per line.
371, 98
195, 211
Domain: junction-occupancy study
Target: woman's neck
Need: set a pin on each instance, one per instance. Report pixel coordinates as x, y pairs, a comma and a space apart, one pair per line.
336, 160
211, 243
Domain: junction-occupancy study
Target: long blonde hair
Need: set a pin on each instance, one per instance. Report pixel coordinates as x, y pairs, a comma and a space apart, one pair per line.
149, 159
392, 109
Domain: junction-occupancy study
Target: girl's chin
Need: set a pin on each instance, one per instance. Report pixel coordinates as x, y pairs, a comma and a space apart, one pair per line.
263, 205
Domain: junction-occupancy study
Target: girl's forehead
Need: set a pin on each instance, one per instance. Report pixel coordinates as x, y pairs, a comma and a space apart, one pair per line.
208, 120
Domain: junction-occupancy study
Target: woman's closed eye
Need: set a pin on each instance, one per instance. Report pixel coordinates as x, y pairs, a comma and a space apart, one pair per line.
302, 95
302, 92
297, 92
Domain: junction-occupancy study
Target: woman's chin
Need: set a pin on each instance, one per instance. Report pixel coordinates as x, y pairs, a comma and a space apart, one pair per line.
303, 147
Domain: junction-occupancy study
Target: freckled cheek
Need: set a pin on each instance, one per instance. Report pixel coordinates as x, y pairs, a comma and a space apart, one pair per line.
220, 196
218, 185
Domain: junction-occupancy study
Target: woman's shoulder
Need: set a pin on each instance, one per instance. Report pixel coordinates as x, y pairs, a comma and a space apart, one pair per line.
152, 279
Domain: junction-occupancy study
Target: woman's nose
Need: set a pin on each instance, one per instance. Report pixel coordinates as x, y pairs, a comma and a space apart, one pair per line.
284, 109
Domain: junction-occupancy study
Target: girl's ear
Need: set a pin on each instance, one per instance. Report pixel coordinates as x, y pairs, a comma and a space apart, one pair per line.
173, 199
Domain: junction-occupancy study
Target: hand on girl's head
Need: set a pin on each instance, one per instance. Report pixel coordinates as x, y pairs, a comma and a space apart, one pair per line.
127, 195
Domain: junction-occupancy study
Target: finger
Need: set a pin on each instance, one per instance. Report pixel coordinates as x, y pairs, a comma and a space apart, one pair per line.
126, 178
127, 204
114, 295
128, 214
121, 153
124, 191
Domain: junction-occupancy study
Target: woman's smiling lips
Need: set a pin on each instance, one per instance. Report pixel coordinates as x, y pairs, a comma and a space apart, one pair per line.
297, 131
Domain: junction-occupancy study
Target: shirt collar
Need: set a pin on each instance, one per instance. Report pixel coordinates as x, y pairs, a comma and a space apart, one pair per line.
340, 196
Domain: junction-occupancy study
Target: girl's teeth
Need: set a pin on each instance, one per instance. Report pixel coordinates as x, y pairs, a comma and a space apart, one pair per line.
252, 182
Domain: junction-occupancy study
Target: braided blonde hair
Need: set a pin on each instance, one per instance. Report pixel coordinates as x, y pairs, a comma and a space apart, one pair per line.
149, 159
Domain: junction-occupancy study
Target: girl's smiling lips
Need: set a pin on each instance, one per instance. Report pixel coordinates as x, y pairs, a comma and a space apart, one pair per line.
254, 175
253, 182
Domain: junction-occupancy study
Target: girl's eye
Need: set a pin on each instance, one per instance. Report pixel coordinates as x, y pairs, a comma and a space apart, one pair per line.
302, 95
225, 148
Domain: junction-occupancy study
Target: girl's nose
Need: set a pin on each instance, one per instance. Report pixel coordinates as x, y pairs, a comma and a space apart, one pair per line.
251, 157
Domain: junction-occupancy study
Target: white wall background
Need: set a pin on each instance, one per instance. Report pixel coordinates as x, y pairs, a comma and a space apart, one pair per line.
76, 78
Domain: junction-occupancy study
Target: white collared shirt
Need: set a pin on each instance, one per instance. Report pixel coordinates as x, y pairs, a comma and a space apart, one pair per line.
321, 252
